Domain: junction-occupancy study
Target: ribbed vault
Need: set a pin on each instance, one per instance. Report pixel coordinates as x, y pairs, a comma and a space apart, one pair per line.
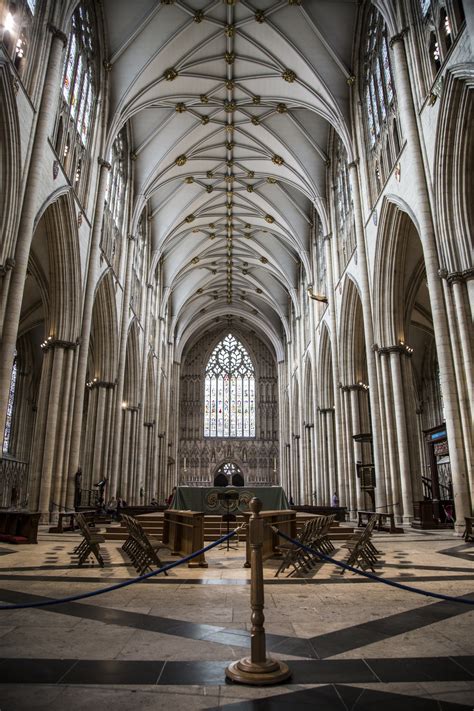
229, 105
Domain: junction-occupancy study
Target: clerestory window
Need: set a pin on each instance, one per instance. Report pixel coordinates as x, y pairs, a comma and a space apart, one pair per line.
379, 105
229, 397
78, 97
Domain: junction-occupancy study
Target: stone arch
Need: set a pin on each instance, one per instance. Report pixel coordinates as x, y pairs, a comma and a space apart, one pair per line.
57, 237
453, 175
132, 366
104, 332
353, 367
10, 161
398, 249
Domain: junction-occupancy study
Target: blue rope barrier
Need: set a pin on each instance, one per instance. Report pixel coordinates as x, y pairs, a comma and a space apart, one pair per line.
371, 576
123, 584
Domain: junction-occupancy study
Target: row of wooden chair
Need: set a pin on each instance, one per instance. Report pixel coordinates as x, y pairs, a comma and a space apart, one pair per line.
90, 544
141, 548
362, 552
314, 535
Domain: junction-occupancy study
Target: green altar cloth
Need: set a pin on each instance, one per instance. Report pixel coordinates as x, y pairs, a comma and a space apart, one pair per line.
205, 499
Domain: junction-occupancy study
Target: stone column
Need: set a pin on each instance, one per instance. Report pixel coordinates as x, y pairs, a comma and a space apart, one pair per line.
462, 498
369, 337
59, 474
348, 498
44, 125
341, 461
356, 429
393, 481
118, 414
89, 294
141, 440
402, 438
50, 435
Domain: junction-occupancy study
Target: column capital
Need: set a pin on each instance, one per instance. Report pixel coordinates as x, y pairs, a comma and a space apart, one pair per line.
52, 342
104, 163
400, 348
398, 37
8, 266
328, 237
453, 277
353, 164
58, 34
96, 383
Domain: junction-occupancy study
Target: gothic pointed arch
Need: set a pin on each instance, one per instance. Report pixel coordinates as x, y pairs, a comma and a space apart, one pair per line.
104, 332
353, 367
9, 163
454, 179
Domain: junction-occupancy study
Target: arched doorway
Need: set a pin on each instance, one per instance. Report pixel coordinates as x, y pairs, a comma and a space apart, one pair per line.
229, 473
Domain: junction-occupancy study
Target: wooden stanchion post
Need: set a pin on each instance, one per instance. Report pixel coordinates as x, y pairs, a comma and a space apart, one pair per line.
258, 669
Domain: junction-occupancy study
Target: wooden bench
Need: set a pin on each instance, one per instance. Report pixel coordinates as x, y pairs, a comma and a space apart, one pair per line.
380, 522
141, 548
184, 531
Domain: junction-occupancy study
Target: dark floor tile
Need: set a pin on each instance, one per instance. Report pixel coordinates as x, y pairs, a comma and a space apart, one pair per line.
332, 643
202, 673
466, 662
328, 671
113, 671
324, 698
291, 645
34, 671
418, 669
377, 700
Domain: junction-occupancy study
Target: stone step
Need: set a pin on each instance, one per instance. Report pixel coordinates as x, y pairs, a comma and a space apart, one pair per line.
213, 527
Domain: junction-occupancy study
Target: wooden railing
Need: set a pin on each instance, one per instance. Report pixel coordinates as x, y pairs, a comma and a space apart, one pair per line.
184, 531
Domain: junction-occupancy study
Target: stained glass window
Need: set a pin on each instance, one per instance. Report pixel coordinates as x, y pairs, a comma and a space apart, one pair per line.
425, 6
345, 232
78, 83
379, 104
229, 391
11, 401
115, 200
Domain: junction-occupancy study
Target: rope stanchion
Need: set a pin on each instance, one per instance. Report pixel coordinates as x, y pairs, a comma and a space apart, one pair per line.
124, 583
258, 669
371, 576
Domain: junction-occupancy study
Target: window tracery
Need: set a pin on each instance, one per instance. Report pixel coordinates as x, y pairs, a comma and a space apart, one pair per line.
17, 32
114, 209
379, 104
441, 22
229, 391
78, 96
345, 227
138, 266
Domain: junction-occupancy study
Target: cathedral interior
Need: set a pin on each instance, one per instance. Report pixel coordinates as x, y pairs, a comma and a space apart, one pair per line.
236, 251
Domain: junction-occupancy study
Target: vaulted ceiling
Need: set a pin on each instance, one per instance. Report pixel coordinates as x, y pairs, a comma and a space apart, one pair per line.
229, 105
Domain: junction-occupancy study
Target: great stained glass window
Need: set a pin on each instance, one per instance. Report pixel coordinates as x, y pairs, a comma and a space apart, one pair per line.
11, 402
229, 397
